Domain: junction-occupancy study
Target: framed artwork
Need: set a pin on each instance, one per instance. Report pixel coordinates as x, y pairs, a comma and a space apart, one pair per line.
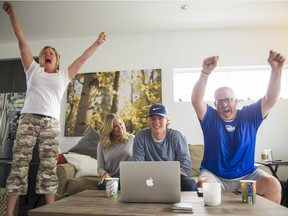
91, 96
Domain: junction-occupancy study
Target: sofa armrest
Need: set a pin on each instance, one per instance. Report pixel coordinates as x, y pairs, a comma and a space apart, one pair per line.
263, 167
65, 172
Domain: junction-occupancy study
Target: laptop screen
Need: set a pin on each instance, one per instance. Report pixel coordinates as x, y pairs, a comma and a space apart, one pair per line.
150, 181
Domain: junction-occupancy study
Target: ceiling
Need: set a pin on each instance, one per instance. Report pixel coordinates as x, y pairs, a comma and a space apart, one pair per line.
45, 20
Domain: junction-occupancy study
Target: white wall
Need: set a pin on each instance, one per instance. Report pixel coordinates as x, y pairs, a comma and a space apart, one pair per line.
187, 49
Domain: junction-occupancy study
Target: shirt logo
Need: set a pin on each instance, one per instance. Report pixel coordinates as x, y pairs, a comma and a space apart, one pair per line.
229, 128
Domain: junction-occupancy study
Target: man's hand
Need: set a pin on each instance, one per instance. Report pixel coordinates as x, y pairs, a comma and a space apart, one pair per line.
7, 7
209, 64
276, 60
101, 38
182, 172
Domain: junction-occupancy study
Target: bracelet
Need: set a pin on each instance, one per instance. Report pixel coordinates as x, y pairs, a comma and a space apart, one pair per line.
205, 74
99, 41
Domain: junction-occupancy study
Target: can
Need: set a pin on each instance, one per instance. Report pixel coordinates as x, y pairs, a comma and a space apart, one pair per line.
248, 191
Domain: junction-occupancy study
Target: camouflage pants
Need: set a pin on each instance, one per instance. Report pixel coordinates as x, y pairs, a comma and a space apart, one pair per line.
31, 129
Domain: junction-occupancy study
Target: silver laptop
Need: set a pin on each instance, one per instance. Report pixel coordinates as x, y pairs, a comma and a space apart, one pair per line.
150, 181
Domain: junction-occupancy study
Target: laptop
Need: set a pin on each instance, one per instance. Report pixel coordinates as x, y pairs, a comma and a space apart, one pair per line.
150, 181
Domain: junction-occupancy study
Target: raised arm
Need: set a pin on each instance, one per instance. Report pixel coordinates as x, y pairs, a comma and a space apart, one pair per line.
25, 51
199, 89
276, 61
78, 63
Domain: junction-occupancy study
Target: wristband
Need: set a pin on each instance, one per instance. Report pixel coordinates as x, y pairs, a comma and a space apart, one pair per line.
99, 41
205, 74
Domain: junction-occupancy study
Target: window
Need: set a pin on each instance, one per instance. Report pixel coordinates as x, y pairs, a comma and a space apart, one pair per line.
249, 83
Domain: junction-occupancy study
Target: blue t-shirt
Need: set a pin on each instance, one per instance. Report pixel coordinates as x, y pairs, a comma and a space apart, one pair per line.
173, 147
230, 146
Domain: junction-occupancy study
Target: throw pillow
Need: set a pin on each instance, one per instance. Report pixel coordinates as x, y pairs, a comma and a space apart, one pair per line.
84, 164
196, 155
61, 159
88, 144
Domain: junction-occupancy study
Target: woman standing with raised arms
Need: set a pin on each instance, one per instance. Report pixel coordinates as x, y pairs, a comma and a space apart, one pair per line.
39, 120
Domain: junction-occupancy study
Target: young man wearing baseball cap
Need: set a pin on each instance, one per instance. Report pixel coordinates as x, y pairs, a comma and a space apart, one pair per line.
160, 143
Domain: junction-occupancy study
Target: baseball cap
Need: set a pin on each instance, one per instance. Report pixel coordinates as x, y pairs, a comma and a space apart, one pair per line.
158, 109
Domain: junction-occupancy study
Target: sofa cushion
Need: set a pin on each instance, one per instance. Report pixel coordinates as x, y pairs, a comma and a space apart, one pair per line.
84, 164
77, 185
263, 167
88, 144
196, 155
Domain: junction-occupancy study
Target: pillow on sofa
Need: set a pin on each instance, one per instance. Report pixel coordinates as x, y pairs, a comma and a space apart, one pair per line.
196, 155
88, 144
61, 159
84, 164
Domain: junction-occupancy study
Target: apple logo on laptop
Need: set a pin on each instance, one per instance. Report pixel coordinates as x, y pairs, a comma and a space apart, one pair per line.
149, 182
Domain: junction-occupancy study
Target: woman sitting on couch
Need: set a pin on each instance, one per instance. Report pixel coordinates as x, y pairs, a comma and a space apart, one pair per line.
115, 145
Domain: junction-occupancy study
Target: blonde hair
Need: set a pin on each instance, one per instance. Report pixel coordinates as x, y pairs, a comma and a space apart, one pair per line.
57, 56
107, 128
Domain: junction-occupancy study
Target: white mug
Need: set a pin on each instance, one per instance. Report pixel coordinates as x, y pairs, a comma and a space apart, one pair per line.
211, 193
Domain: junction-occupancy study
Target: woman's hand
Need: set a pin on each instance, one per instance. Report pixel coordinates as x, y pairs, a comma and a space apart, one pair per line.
101, 38
105, 175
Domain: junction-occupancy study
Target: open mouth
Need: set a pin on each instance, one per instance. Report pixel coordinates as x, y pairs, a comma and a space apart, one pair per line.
48, 61
226, 111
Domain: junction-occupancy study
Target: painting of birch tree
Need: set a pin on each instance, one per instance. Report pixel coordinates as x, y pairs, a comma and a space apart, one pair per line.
91, 96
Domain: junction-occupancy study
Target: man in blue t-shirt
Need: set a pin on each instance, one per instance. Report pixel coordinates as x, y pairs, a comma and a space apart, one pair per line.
230, 134
160, 143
